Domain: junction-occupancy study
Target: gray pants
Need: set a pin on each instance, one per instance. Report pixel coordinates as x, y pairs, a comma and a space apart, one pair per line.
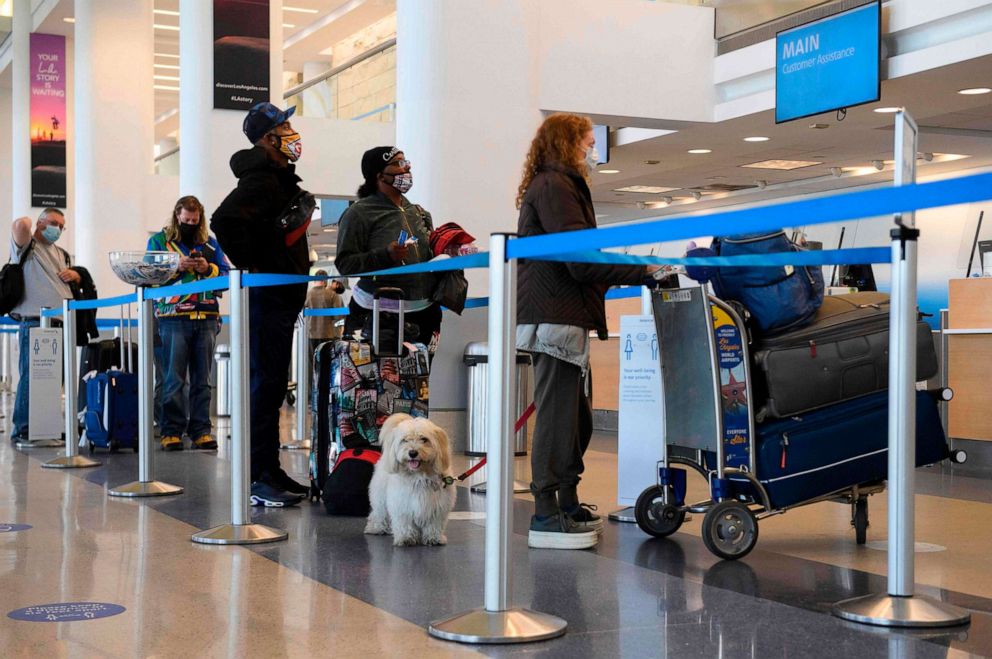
563, 427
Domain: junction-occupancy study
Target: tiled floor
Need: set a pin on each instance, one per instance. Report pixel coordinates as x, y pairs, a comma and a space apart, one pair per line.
332, 591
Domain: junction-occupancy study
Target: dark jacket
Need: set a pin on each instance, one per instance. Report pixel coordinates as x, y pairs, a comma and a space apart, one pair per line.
367, 228
245, 222
558, 200
86, 328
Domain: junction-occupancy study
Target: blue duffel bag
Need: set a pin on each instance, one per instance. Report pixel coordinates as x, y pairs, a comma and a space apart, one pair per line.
779, 298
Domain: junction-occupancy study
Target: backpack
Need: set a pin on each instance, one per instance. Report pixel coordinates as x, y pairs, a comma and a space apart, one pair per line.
779, 298
12, 282
346, 490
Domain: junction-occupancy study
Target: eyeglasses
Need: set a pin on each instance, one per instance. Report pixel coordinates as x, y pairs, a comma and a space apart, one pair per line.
402, 164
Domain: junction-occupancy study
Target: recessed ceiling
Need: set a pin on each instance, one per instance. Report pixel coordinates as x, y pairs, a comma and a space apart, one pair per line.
950, 123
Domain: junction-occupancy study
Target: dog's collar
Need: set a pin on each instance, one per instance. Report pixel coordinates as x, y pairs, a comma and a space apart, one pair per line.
446, 481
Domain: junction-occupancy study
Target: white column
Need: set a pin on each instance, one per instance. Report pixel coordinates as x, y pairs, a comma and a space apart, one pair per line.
6, 190
20, 179
317, 100
114, 131
461, 172
196, 98
467, 140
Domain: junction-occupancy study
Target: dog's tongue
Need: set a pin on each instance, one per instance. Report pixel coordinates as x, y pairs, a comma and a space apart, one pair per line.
413, 465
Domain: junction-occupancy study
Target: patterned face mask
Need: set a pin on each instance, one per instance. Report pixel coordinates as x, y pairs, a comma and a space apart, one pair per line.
403, 182
291, 145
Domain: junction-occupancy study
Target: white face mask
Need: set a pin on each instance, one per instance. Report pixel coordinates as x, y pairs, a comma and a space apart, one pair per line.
592, 158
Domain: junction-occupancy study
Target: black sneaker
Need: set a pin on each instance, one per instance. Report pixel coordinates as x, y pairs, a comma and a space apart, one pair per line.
584, 517
264, 493
283, 480
559, 532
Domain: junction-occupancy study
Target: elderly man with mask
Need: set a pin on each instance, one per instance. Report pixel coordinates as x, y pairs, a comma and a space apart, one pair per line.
262, 227
48, 278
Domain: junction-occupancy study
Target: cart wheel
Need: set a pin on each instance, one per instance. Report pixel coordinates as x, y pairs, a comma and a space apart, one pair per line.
730, 530
290, 398
860, 520
654, 516
92, 448
114, 446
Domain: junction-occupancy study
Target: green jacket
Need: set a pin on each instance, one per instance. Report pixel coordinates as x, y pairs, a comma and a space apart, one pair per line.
366, 230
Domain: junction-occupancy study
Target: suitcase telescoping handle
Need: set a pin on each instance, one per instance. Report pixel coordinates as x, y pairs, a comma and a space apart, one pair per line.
393, 294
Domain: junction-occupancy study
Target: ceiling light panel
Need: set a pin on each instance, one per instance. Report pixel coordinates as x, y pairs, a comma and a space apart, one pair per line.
975, 91
645, 189
299, 10
782, 164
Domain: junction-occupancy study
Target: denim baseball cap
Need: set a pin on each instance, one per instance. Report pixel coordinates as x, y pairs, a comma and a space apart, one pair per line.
262, 118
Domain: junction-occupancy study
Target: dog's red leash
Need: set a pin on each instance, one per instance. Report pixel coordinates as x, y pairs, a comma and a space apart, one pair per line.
516, 428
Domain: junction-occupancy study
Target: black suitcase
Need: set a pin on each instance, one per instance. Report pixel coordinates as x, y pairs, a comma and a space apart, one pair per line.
842, 354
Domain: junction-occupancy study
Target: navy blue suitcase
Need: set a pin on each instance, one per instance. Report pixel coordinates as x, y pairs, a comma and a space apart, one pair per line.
111, 418
805, 457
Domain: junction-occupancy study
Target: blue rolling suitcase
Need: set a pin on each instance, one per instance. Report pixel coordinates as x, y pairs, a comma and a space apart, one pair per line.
815, 454
111, 417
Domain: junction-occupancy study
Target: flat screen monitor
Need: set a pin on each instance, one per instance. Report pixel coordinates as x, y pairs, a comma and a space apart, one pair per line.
829, 64
602, 135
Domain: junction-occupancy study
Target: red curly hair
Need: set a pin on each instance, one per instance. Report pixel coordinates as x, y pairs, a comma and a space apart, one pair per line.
557, 141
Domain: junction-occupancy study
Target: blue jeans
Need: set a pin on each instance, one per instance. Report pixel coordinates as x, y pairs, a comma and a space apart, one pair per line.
23, 381
187, 348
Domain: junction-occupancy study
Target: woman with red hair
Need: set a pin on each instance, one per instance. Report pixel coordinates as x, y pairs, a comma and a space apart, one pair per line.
558, 304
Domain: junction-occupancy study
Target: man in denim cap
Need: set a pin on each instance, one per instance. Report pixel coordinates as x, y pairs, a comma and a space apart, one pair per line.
260, 228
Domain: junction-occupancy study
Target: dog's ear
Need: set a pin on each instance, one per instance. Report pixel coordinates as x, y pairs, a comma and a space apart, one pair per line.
387, 439
443, 450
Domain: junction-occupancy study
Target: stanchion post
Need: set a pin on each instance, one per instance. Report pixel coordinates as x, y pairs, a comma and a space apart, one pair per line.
497, 622
303, 364
145, 486
900, 607
71, 459
240, 531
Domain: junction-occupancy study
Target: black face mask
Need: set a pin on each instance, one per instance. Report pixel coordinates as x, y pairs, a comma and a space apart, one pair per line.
188, 232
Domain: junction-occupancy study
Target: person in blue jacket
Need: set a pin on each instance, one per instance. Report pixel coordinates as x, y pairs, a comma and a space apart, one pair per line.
188, 326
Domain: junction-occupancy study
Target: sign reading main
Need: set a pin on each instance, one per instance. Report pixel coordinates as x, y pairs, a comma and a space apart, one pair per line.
829, 64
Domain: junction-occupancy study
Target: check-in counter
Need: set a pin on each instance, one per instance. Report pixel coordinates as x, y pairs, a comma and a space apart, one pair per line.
969, 358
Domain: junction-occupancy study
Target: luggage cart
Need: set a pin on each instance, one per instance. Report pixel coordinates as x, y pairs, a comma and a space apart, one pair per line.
709, 428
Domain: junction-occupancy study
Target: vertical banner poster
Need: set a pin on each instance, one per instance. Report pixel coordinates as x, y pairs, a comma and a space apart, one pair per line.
48, 116
241, 53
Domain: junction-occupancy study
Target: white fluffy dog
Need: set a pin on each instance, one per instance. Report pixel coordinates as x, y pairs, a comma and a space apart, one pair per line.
412, 490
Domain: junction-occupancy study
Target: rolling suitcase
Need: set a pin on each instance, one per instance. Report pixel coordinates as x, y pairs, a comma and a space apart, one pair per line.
100, 356
357, 385
111, 417
842, 354
836, 447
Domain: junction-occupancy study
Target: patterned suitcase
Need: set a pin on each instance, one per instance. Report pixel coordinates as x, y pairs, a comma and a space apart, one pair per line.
355, 390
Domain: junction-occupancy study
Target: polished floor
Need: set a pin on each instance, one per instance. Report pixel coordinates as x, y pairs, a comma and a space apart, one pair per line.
332, 591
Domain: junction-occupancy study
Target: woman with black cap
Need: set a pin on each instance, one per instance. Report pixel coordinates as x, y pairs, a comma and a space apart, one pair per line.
383, 230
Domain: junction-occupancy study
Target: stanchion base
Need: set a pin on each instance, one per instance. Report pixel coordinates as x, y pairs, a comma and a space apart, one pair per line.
625, 515
145, 489
891, 611
513, 626
239, 534
519, 487
70, 462
296, 446
40, 443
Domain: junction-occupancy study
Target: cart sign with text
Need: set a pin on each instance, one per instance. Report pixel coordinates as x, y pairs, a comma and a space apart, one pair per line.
48, 117
830, 64
241, 53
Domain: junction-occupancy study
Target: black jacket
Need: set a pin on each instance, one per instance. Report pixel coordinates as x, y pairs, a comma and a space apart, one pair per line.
245, 222
367, 228
558, 200
86, 328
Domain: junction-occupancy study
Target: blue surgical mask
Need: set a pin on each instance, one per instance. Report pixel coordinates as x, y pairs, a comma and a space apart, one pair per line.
51, 233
